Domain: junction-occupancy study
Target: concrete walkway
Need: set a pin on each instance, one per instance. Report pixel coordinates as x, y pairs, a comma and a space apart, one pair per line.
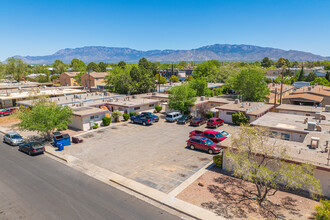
169, 200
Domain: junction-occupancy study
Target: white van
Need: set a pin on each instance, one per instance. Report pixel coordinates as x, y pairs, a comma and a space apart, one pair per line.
173, 116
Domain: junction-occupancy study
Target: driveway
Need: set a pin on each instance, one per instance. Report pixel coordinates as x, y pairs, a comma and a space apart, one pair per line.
154, 155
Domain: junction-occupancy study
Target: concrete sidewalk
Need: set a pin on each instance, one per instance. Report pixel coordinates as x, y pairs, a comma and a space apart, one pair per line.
105, 176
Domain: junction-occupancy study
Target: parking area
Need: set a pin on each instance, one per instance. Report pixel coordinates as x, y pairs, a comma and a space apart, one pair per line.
154, 155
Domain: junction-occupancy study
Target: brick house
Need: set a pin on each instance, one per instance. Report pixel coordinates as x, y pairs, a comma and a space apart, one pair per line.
67, 79
93, 79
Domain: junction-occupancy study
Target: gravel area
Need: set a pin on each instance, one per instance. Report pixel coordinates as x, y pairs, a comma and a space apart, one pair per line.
227, 196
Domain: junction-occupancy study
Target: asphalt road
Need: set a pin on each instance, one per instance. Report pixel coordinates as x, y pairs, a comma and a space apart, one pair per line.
39, 187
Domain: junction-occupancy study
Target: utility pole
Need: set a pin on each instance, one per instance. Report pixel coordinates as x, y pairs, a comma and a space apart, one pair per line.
90, 86
275, 97
158, 80
281, 86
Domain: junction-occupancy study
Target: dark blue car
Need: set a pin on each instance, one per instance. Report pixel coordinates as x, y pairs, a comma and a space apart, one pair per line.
142, 119
153, 116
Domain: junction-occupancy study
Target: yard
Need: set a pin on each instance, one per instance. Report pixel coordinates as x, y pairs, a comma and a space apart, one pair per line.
154, 155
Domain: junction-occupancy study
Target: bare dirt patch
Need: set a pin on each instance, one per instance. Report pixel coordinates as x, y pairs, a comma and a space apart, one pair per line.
9, 119
231, 198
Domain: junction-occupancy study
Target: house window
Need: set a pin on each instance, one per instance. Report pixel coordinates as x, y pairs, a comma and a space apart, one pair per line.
92, 117
152, 105
137, 108
285, 136
273, 134
230, 113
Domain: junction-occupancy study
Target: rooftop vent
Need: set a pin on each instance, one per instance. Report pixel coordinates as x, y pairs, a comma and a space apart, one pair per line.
315, 142
309, 88
311, 126
202, 98
318, 115
327, 108
237, 101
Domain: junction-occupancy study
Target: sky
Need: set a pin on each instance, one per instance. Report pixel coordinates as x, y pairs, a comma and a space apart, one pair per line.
39, 27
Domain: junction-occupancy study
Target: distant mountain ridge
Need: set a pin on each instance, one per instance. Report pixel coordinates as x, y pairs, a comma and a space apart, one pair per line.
221, 52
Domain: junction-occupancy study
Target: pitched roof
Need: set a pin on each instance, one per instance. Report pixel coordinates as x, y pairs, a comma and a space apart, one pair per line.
306, 96
98, 74
71, 74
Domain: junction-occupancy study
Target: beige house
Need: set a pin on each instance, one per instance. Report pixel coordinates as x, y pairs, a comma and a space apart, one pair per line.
93, 79
67, 79
84, 118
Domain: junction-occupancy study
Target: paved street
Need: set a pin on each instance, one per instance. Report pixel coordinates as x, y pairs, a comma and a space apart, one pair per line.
41, 188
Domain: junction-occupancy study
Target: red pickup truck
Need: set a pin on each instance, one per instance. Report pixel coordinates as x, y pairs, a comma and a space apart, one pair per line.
6, 111
214, 136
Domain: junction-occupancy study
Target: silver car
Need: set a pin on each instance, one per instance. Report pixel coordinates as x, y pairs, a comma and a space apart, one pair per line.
13, 138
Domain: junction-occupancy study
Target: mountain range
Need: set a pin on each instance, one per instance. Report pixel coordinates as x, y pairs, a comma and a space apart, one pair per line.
221, 52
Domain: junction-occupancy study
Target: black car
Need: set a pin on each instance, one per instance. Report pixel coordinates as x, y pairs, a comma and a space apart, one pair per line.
198, 121
32, 148
184, 119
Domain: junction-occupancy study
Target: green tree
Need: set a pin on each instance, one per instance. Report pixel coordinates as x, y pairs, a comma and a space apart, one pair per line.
205, 69
102, 66
200, 86
251, 84
182, 98
174, 79
327, 67
145, 64
220, 74
282, 63
16, 68
162, 79
78, 76
183, 64
321, 81
266, 62
78, 65
239, 118
122, 64
59, 67
120, 81
45, 117
301, 73
257, 158
143, 80
311, 77
93, 67
327, 76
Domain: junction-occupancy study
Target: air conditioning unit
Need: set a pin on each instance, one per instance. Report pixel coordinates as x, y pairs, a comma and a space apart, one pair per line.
202, 98
318, 115
236, 101
327, 108
311, 126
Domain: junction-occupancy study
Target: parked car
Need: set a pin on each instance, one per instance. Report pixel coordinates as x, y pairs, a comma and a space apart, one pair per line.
224, 133
184, 119
173, 116
7, 111
204, 144
153, 116
198, 121
32, 148
214, 136
214, 122
142, 119
13, 138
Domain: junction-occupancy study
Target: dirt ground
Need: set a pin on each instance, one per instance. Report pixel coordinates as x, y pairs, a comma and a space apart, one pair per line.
9, 119
227, 196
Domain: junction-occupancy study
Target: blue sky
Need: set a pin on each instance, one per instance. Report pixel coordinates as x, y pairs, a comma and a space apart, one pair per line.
35, 27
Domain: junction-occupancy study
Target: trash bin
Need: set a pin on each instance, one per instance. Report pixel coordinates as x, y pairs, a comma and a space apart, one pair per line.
60, 146
61, 138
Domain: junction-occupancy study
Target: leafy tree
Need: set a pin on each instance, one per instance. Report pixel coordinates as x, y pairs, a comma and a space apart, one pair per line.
266, 62
78, 65
327, 76
78, 76
321, 81
183, 64
120, 80
162, 79
327, 67
221, 73
116, 114
102, 66
255, 157
143, 80
190, 77
174, 79
93, 67
16, 68
59, 67
200, 86
251, 84
45, 117
323, 210
239, 118
144, 63
282, 63
311, 77
182, 98
122, 64
301, 75
205, 69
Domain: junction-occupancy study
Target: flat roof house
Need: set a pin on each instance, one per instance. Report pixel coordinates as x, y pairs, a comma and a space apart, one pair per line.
93, 79
84, 118
67, 79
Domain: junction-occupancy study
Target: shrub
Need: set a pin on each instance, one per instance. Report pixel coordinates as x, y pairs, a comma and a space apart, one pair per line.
106, 121
217, 160
174, 78
96, 125
239, 118
132, 114
209, 115
126, 117
322, 210
158, 108
116, 114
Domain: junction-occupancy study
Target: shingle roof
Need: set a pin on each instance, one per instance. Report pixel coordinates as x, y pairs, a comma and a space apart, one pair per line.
306, 96
98, 74
71, 74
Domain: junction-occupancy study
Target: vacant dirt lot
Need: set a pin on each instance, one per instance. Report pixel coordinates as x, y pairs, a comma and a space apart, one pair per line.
154, 155
228, 196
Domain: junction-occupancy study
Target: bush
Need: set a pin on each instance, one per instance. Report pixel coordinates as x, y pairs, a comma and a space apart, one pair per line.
209, 115
322, 210
106, 121
174, 78
239, 118
96, 125
132, 114
116, 114
126, 117
217, 160
158, 108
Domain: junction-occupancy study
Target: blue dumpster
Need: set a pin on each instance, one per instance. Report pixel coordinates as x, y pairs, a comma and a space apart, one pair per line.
60, 146
62, 139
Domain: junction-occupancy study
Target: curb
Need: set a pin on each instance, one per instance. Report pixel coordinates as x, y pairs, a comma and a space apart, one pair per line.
58, 157
100, 129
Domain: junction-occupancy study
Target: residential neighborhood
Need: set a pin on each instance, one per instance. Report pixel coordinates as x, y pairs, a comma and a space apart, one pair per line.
165, 110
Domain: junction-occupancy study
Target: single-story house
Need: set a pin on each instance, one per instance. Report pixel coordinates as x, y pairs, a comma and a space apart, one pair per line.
84, 118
